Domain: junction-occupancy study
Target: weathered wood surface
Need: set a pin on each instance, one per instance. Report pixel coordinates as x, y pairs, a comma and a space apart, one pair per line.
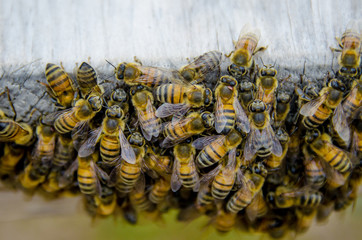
160, 33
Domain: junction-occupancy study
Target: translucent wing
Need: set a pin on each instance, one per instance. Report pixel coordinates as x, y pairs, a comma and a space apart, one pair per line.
101, 174
114, 175
170, 141
252, 210
67, 177
207, 62
208, 177
202, 142
93, 170
80, 129
268, 133
311, 107
127, 151
168, 109
220, 119
89, 146
156, 73
252, 143
151, 110
248, 29
241, 119
178, 115
141, 183
195, 176
142, 117
341, 125
355, 140
175, 180
51, 117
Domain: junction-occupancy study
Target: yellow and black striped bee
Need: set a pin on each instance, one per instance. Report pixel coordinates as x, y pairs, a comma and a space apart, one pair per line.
214, 148
246, 48
228, 111
285, 197
128, 175
261, 140
305, 219
195, 71
135, 74
142, 100
158, 165
112, 139
12, 131
184, 169
350, 45
317, 111
139, 200
246, 94
106, 201
356, 146
273, 161
159, 190
64, 151
257, 207
178, 98
194, 123
321, 144
13, 153
353, 101
75, 119
266, 84
315, 175
281, 108
119, 97
224, 221
60, 86
86, 78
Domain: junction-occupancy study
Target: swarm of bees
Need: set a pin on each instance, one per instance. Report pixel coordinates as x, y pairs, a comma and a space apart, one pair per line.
249, 150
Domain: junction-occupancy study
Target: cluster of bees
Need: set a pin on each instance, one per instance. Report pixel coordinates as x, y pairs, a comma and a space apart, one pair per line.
248, 150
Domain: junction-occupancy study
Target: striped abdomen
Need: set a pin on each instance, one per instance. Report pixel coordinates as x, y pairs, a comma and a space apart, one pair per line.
309, 200
66, 122
86, 177
63, 153
150, 123
175, 131
11, 130
156, 77
353, 101
314, 173
188, 175
204, 197
170, 93
11, 157
249, 41
222, 184
45, 148
109, 148
211, 154
264, 147
140, 201
159, 191
86, 77
318, 118
273, 161
228, 112
239, 201
127, 177
58, 80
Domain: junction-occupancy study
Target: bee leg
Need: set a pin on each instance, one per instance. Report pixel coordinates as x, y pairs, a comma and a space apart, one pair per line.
339, 42
259, 49
137, 60
7, 91
335, 49
228, 55
61, 65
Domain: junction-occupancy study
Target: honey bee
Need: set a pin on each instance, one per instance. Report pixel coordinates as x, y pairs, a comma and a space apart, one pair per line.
106, 201
261, 140
305, 219
34, 174
12, 131
177, 99
281, 108
317, 111
142, 100
228, 110
140, 201
45, 145
284, 197
354, 99
64, 151
321, 144
13, 153
196, 70
257, 207
266, 84
60, 86
158, 165
119, 97
159, 191
111, 138
224, 220
273, 161
350, 45
314, 173
194, 123
51, 185
184, 169
86, 78
75, 119
135, 74
246, 94
251, 185
246, 47
214, 148
126, 176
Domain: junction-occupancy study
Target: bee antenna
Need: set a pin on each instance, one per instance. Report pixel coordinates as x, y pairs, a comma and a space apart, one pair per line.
110, 63
262, 61
274, 63
128, 128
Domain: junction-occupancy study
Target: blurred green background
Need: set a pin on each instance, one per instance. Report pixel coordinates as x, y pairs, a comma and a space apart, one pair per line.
24, 218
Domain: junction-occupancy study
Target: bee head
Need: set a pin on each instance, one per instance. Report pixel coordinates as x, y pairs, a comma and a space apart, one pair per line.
257, 106
311, 135
120, 71
246, 86
136, 139
208, 119
236, 71
271, 72
347, 72
229, 80
114, 112
95, 103
207, 97
283, 97
259, 168
188, 74
119, 95
282, 135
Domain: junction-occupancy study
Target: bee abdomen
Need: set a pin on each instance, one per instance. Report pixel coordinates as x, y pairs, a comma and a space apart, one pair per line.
109, 149
170, 93
65, 123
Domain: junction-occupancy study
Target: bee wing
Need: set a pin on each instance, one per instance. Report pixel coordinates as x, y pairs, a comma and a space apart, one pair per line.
220, 119
175, 180
202, 142
172, 76
168, 109
354, 146
89, 146
206, 62
168, 141
141, 183
101, 174
208, 177
127, 151
268, 133
51, 117
195, 176
80, 129
248, 29
151, 110
341, 125
142, 117
311, 107
114, 175
252, 209
241, 119
252, 143
178, 115
67, 177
